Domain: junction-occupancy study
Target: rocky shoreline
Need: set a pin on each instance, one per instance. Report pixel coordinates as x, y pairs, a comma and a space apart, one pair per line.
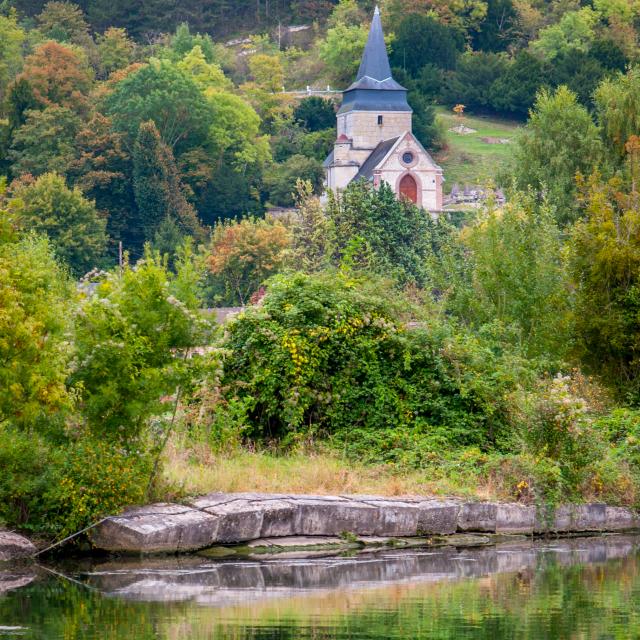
222, 525
220, 519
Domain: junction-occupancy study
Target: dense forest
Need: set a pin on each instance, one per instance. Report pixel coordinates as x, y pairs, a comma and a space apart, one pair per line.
492, 349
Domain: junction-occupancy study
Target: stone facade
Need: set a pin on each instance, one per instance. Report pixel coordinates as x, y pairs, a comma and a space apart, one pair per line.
364, 132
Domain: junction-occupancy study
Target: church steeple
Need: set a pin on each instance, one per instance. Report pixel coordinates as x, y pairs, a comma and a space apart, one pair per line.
374, 88
375, 61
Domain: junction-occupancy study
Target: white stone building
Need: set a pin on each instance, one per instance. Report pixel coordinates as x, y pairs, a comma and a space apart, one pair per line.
375, 140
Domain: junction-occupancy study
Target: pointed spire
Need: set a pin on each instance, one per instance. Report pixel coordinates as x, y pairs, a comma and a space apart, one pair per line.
375, 61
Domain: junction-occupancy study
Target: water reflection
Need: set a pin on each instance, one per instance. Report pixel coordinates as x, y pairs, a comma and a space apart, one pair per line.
581, 588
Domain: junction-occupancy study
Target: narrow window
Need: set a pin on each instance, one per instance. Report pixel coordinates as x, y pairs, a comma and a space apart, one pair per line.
380, 120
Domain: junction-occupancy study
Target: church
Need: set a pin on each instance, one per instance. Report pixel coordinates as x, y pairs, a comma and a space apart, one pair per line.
375, 140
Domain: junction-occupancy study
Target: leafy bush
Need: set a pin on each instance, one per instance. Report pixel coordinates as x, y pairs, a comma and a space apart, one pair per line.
94, 478
132, 336
331, 355
58, 489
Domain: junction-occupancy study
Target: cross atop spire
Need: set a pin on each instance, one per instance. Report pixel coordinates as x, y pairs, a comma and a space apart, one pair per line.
375, 61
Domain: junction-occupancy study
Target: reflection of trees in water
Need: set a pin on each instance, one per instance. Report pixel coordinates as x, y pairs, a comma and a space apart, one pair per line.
552, 600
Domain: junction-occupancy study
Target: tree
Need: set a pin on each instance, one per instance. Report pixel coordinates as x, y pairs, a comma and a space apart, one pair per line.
244, 254
312, 233
114, 51
234, 132
559, 141
514, 91
466, 15
380, 232
472, 82
64, 22
166, 95
618, 108
207, 75
341, 51
421, 40
580, 72
265, 90
45, 142
102, 170
498, 29
157, 187
58, 75
12, 37
35, 298
132, 338
315, 114
518, 276
605, 265
575, 31
71, 222
183, 41
281, 180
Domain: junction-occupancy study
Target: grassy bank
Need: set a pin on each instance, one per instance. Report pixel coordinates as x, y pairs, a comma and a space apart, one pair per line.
475, 158
194, 469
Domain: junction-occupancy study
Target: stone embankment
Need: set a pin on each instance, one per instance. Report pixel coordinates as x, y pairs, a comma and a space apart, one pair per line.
227, 519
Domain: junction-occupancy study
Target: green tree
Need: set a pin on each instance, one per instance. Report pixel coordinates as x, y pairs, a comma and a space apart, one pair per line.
559, 141
64, 22
45, 142
618, 108
157, 186
312, 232
605, 264
114, 51
341, 51
12, 38
35, 298
379, 231
575, 31
421, 40
315, 114
499, 28
161, 92
132, 338
280, 181
207, 75
517, 276
234, 132
473, 81
514, 91
76, 231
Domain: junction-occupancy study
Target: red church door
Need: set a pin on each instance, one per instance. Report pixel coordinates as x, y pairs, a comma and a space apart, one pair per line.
409, 189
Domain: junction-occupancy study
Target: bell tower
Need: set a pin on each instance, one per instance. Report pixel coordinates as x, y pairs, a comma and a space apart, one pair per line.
374, 107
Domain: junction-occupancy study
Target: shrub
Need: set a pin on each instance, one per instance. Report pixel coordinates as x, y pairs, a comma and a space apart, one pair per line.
331, 355
94, 478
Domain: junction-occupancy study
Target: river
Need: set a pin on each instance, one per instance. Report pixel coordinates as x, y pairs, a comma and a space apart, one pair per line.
573, 588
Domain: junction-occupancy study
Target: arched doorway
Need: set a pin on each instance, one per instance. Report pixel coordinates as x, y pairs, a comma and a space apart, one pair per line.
409, 188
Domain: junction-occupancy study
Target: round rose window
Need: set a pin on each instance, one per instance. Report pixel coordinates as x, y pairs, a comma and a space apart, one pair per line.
407, 157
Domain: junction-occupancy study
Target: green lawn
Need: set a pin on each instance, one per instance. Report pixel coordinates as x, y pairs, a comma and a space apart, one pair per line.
468, 159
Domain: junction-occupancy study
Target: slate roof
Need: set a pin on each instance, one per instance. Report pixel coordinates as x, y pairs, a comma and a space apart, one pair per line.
328, 160
376, 157
374, 88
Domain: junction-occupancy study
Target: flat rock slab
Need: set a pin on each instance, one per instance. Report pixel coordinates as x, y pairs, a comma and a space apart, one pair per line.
438, 518
14, 546
223, 519
157, 528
